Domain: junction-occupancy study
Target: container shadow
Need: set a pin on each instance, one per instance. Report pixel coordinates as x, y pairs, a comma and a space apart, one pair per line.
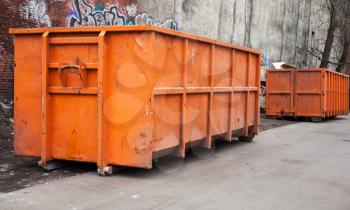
172, 165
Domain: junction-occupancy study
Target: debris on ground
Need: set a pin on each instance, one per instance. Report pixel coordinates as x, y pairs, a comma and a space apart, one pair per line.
22, 172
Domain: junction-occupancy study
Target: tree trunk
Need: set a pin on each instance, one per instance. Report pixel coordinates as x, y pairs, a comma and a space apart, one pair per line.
330, 38
328, 47
346, 36
347, 67
344, 56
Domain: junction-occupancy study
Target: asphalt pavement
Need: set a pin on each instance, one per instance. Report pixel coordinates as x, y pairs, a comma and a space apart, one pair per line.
299, 166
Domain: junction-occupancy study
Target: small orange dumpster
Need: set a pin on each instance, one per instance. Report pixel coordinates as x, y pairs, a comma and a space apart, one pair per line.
123, 95
314, 93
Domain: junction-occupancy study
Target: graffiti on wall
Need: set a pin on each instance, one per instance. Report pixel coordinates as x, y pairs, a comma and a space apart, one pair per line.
88, 13
36, 12
85, 13
144, 18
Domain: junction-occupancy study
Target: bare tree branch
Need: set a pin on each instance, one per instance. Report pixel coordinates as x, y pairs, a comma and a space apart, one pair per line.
316, 54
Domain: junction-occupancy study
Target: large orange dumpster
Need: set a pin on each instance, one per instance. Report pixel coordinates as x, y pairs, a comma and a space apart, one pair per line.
124, 95
314, 93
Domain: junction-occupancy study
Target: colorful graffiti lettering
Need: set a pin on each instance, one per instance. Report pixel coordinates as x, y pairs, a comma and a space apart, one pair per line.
87, 13
36, 11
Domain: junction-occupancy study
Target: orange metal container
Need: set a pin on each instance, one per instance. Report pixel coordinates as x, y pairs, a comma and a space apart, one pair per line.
315, 93
124, 95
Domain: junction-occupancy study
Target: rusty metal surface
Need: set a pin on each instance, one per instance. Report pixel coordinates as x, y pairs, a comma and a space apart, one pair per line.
320, 93
119, 95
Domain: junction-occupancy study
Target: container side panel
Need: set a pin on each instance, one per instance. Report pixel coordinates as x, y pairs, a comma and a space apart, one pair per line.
344, 96
279, 104
167, 112
308, 90
252, 109
87, 55
330, 91
280, 92
27, 80
73, 80
340, 95
222, 67
333, 94
254, 61
71, 115
344, 93
309, 106
197, 116
328, 94
337, 94
347, 96
198, 62
220, 113
323, 90
130, 75
280, 81
336, 105
239, 99
240, 76
309, 82
69, 54
73, 127
168, 63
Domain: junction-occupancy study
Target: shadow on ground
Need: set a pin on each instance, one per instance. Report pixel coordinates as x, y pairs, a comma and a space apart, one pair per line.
22, 172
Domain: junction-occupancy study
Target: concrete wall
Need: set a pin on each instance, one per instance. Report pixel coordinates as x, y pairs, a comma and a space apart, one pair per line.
282, 29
